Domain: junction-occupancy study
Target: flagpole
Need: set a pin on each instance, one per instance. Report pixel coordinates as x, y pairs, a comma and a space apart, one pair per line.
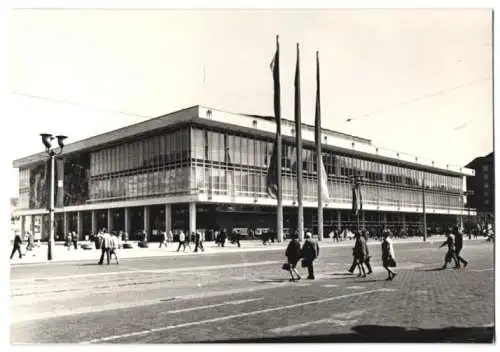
298, 138
319, 163
277, 108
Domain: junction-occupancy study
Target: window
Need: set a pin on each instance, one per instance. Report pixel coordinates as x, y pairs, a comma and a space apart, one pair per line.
485, 167
486, 185
485, 177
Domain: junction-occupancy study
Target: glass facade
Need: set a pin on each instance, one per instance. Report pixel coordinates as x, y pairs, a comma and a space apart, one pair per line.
237, 166
194, 160
155, 166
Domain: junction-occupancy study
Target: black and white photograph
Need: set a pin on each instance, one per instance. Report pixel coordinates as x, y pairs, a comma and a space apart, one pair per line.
250, 175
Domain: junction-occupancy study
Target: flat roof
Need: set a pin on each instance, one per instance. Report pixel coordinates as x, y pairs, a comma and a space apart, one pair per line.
247, 123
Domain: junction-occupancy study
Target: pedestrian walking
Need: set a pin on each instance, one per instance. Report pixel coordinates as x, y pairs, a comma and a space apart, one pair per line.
388, 256
237, 238
114, 244
163, 239
105, 244
182, 241
450, 243
68, 240
359, 254
223, 237
310, 251
17, 246
29, 246
459, 243
74, 236
293, 254
198, 241
364, 243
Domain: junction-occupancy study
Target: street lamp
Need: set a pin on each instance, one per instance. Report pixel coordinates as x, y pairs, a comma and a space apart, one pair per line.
51, 152
356, 185
467, 194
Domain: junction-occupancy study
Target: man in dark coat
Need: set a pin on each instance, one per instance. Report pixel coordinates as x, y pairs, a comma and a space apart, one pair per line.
310, 251
293, 254
237, 238
17, 246
223, 237
459, 243
198, 242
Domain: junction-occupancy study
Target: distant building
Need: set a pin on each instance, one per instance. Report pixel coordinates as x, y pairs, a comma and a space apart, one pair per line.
202, 168
483, 185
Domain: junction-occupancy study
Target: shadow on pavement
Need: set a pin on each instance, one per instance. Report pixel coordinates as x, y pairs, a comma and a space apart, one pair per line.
431, 269
377, 333
271, 281
87, 264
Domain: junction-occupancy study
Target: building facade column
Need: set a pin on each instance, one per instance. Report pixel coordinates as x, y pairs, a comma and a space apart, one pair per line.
126, 218
65, 224
403, 219
146, 219
110, 221
79, 224
339, 219
168, 217
362, 220
32, 225
94, 222
192, 217
384, 219
23, 229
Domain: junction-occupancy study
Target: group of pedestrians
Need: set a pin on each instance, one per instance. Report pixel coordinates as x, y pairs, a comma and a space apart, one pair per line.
72, 240
109, 244
308, 253
455, 242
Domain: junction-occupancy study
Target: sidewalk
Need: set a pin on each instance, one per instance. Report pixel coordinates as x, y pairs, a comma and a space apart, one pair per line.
62, 254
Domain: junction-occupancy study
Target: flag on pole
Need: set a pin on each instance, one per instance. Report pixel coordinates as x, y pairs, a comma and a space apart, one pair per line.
229, 170
317, 137
325, 195
357, 199
273, 181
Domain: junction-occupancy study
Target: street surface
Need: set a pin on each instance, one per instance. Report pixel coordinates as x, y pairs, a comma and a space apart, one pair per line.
246, 297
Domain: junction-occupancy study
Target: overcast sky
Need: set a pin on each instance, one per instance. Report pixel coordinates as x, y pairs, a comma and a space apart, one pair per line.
417, 81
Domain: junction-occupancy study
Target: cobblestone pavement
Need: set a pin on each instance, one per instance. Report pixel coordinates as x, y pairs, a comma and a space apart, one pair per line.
246, 297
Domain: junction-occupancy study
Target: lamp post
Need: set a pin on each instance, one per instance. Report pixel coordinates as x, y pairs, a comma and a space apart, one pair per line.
356, 183
467, 194
51, 152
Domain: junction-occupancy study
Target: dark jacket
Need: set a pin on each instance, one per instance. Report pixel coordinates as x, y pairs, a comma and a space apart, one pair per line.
360, 249
310, 250
459, 240
450, 243
17, 240
293, 252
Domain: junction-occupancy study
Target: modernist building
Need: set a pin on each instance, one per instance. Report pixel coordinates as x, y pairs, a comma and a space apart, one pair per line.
202, 168
483, 185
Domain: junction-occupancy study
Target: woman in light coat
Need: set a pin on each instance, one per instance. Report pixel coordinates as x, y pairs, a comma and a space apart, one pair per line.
388, 256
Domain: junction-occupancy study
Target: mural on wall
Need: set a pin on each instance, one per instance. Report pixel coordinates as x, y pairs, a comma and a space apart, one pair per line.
38, 186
